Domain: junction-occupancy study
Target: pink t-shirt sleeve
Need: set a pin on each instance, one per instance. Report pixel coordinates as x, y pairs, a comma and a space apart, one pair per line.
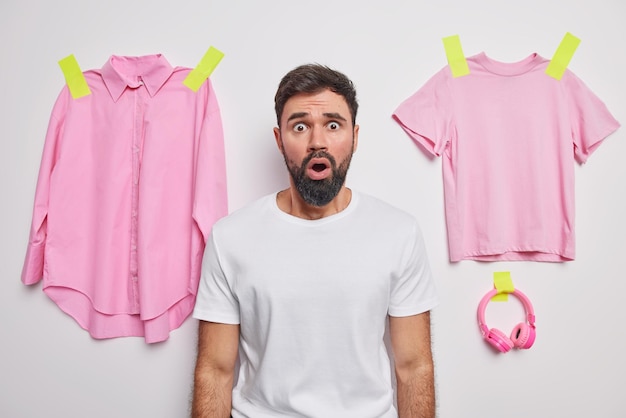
425, 115
590, 119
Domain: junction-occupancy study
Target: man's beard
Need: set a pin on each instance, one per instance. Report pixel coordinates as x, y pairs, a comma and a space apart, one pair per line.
318, 192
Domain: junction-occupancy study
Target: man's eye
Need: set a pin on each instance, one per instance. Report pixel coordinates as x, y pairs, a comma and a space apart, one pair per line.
333, 125
299, 127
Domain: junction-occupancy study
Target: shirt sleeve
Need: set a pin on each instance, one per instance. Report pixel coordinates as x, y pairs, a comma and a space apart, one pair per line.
591, 122
215, 301
413, 290
32, 271
425, 115
210, 193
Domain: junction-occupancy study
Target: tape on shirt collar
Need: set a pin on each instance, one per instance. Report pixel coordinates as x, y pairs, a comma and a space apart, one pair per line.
562, 56
456, 58
203, 70
74, 77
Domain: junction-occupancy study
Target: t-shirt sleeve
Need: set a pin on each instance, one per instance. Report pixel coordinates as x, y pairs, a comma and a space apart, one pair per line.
215, 301
413, 289
425, 115
590, 119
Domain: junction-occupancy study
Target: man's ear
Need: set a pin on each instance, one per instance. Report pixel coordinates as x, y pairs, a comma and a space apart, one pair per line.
279, 141
356, 138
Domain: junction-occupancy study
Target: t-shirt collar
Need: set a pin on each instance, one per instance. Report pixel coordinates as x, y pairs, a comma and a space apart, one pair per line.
509, 68
120, 72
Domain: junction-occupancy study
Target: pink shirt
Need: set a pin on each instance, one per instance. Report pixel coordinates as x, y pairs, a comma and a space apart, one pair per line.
509, 136
131, 180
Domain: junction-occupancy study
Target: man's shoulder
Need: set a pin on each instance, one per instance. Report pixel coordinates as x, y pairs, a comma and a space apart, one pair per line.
382, 208
250, 211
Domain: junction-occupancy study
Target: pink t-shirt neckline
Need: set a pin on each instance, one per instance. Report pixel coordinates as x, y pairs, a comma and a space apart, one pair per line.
508, 68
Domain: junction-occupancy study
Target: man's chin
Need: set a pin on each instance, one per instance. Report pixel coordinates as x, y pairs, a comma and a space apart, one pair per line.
317, 195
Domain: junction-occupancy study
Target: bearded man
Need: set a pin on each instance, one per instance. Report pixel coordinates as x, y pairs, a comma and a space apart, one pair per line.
298, 288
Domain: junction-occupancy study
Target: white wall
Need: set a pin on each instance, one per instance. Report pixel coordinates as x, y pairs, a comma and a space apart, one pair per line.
49, 367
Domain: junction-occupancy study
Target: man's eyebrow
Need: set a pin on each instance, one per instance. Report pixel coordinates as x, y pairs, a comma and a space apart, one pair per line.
330, 115
297, 115
334, 115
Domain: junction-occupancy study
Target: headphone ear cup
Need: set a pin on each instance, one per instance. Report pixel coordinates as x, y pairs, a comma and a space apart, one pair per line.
499, 340
523, 335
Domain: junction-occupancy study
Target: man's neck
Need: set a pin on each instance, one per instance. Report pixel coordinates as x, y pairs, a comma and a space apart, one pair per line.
290, 201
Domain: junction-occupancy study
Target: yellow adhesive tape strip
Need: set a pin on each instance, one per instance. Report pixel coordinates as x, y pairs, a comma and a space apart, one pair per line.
562, 56
74, 77
203, 70
503, 284
455, 56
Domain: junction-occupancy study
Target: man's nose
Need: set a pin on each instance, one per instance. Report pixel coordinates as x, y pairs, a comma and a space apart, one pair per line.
318, 139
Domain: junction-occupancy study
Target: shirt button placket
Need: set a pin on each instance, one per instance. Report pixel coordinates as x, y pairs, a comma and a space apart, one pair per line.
136, 166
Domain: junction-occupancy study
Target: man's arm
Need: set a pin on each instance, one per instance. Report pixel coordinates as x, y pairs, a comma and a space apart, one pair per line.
410, 341
214, 373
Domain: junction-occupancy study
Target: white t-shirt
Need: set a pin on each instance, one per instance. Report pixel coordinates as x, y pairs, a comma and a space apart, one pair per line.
312, 299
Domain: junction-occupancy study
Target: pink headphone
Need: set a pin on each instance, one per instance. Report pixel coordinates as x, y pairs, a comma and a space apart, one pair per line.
523, 334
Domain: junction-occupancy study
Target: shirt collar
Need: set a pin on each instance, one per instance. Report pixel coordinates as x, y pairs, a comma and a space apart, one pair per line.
120, 72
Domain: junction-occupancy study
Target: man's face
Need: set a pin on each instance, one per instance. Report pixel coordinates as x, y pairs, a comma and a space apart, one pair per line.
317, 140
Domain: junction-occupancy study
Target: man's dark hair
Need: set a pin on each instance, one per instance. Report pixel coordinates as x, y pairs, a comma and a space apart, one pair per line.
313, 78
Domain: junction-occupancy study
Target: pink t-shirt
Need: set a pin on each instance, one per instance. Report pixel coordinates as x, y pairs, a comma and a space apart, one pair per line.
509, 136
132, 179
